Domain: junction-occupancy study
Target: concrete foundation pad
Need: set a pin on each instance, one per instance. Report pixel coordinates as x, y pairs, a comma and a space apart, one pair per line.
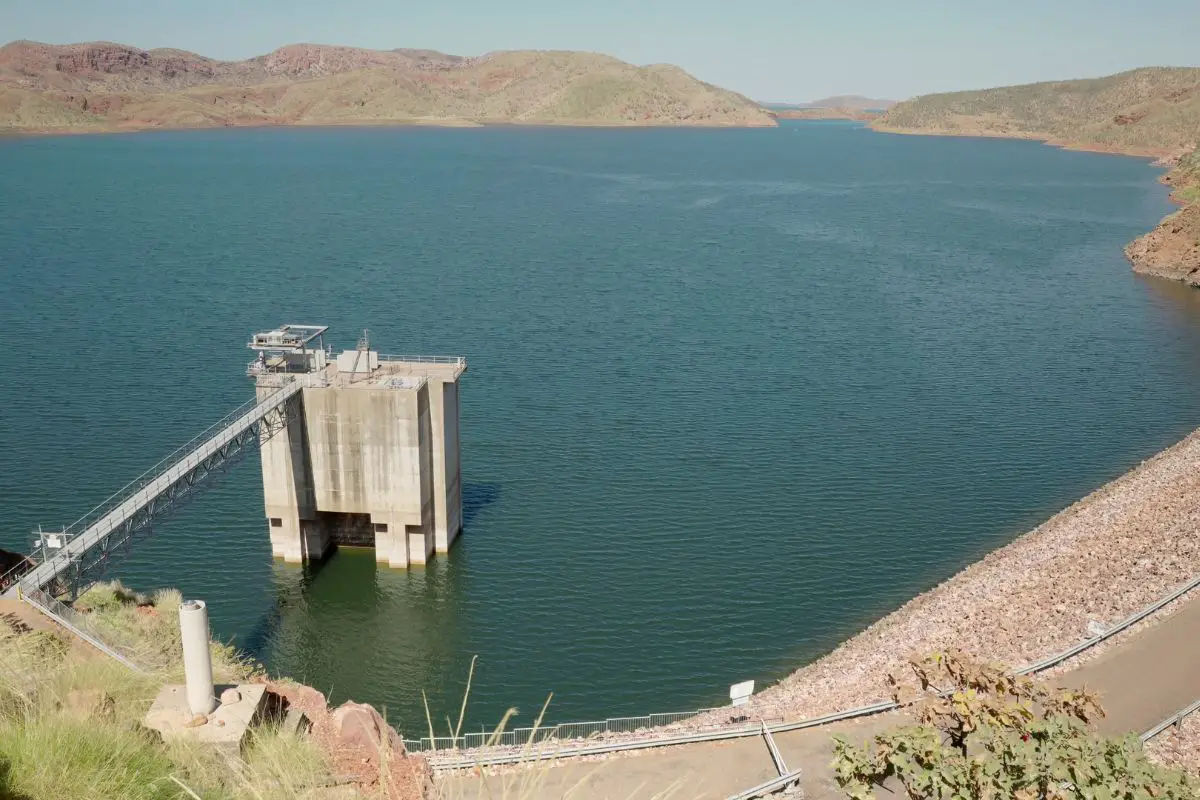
226, 726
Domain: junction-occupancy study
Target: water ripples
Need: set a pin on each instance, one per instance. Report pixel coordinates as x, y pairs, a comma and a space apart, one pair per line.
732, 395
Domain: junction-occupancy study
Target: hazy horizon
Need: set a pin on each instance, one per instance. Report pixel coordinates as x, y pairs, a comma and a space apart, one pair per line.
766, 49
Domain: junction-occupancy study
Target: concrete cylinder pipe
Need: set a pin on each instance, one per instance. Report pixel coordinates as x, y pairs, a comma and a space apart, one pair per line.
197, 660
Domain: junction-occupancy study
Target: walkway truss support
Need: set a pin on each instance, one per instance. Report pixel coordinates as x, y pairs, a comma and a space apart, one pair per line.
110, 530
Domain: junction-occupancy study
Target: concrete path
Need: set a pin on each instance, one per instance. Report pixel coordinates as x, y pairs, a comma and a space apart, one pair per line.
1140, 682
20, 617
1147, 678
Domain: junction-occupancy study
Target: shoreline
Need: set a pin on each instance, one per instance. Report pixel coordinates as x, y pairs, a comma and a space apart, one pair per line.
1153, 153
1094, 563
1171, 250
1101, 559
432, 122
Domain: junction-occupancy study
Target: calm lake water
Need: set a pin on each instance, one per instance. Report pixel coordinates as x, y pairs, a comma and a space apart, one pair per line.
733, 394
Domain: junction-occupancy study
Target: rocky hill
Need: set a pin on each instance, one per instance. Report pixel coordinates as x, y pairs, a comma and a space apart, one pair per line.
104, 86
1172, 250
1146, 111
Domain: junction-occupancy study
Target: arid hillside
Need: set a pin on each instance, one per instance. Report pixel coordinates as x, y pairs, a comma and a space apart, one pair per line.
1153, 111
104, 86
1172, 250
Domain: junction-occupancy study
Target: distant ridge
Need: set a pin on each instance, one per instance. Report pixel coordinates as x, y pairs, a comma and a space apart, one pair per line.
854, 101
1154, 110
849, 102
108, 86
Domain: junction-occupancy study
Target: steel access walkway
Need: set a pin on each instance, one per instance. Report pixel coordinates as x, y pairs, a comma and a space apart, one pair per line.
88, 545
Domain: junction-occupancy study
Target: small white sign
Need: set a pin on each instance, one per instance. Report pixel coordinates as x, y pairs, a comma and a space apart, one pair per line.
53, 542
740, 693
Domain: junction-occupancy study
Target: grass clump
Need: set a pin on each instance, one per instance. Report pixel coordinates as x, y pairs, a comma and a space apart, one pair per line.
285, 762
276, 765
145, 628
70, 718
53, 756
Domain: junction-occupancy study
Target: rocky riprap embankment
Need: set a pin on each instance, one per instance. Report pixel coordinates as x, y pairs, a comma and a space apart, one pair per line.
1099, 561
1178, 747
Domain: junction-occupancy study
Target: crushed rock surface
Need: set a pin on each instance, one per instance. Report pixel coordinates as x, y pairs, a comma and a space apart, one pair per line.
1178, 747
1106, 557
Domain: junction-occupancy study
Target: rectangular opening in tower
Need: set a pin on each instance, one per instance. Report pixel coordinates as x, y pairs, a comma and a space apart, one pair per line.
348, 530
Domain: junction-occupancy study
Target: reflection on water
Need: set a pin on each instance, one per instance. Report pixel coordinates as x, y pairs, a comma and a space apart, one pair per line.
352, 628
1175, 294
475, 498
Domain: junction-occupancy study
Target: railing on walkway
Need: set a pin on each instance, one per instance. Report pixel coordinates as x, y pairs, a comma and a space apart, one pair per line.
452, 761
521, 737
106, 640
10, 578
97, 526
456, 360
1175, 720
125, 492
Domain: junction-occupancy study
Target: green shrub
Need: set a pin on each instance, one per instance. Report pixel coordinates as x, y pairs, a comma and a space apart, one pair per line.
983, 733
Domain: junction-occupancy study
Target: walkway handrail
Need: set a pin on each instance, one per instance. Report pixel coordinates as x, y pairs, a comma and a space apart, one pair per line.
456, 360
87, 531
66, 617
1175, 719
769, 787
14, 574
490, 759
119, 496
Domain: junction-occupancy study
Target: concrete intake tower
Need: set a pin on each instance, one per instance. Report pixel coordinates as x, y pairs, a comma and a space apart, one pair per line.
369, 453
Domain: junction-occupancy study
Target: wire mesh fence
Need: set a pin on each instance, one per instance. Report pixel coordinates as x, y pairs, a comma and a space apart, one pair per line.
103, 638
564, 731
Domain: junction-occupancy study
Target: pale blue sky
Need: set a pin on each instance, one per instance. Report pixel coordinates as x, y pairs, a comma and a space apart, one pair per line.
780, 50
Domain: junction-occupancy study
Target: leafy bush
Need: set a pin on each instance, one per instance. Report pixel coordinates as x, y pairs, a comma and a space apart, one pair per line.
982, 733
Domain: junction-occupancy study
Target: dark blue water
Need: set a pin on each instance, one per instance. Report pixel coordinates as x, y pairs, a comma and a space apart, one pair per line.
733, 394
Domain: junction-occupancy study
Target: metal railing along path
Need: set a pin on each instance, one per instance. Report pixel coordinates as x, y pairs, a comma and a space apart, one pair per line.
459, 761
769, 787
98, 524
1131, 620
1175, 719
9, 579
79, 625
520, 737
456, 360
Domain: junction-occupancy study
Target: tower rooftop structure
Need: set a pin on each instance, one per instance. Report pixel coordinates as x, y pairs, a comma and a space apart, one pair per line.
370, 457
289, 338
287, 349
